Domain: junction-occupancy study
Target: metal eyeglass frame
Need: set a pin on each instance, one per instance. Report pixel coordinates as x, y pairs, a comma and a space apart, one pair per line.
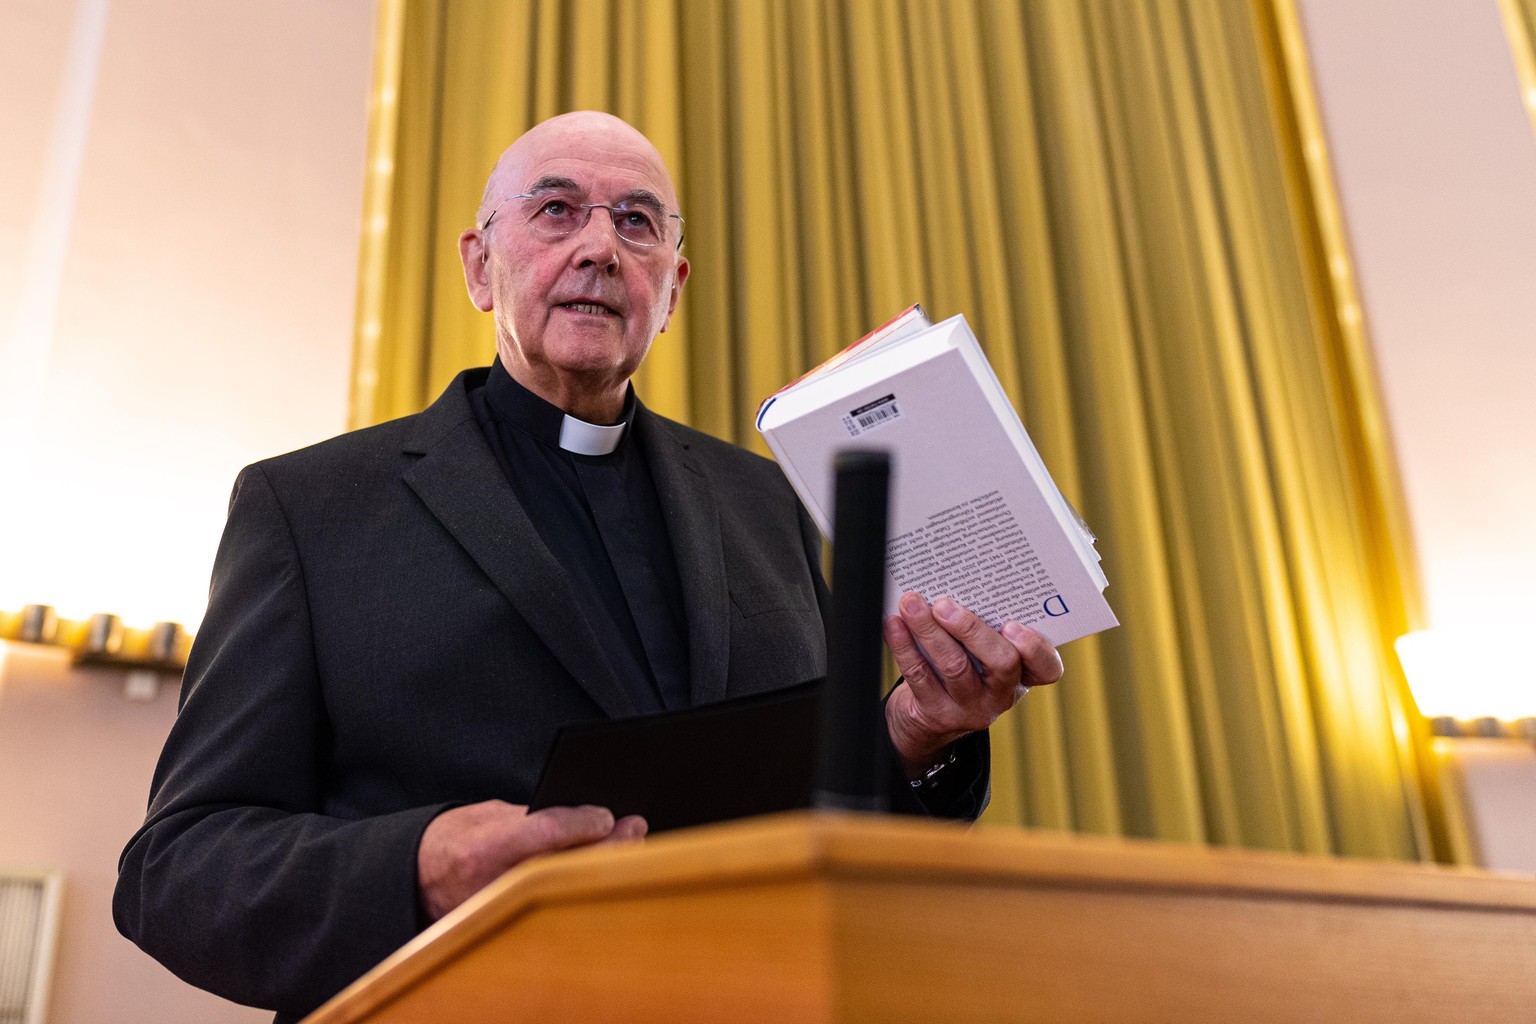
589, 207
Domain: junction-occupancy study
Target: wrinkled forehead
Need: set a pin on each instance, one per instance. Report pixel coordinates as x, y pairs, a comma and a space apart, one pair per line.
604, 159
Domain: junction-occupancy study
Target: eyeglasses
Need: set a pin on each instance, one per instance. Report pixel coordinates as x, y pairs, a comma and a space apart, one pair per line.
555, 215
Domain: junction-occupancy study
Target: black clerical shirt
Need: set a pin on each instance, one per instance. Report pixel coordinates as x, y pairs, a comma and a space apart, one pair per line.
600, 517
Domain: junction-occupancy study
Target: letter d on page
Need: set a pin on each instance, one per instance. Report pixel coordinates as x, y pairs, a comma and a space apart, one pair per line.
1055, 606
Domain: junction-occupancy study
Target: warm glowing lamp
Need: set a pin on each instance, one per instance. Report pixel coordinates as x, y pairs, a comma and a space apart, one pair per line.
1470, 673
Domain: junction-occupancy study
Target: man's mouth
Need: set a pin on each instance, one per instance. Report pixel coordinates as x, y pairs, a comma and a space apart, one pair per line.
591, 308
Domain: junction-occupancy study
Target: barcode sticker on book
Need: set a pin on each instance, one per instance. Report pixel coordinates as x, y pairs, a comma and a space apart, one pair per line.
867, 417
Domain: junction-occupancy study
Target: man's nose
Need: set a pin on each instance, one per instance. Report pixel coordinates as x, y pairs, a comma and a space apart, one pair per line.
597, 241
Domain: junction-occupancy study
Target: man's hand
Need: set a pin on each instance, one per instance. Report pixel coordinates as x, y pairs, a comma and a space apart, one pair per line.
971, 675
465, 848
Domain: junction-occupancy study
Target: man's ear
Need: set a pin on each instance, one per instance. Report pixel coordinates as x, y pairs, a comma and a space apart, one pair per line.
477, 274
679, 276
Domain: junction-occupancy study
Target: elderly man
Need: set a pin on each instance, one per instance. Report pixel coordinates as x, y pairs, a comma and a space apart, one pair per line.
401, 617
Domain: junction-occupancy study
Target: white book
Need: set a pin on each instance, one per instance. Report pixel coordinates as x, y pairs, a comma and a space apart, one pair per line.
974, 513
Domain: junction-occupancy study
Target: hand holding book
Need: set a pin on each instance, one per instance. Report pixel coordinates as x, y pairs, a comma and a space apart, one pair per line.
977, 525
959, 675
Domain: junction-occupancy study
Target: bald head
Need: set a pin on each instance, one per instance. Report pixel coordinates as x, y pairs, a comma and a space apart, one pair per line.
581, 131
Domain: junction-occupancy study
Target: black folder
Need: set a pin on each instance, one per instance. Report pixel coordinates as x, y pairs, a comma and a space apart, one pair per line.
714, 762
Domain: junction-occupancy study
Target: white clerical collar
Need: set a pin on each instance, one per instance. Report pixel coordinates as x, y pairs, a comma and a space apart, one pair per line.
582, 438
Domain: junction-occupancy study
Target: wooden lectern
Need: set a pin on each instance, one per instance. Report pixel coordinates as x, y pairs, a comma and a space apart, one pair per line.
808, 918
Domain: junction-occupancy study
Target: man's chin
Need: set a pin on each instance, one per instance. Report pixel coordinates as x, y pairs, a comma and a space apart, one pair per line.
582, 358
580, 338
597, 376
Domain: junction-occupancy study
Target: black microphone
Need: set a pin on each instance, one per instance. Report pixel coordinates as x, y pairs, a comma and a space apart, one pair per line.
852, 770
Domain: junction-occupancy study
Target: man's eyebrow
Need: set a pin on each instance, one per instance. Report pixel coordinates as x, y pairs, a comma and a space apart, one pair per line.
559, 183
554, 183
642, 197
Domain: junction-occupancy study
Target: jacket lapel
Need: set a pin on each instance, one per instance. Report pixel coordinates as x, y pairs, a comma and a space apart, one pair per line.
459, 481
693, 524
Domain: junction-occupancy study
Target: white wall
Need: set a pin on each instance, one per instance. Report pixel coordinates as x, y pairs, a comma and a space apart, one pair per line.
78, 758
180, 195
1495, 782
204, 295
1435, 160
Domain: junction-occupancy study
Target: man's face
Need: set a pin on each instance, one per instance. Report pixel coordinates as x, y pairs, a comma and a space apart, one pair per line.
576, 315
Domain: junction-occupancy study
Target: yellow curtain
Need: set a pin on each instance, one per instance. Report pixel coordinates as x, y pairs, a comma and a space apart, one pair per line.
1520, 26
1129, 200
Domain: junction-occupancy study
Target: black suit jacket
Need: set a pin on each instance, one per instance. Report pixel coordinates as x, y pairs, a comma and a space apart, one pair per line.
388, 636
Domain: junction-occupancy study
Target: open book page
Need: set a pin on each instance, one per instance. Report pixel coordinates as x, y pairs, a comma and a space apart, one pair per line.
974, 514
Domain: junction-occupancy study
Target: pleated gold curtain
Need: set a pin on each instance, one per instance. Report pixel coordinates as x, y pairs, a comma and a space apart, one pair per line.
1129, 200
1520, 26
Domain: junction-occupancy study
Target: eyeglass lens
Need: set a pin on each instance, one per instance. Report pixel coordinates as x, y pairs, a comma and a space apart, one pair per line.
555, 216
